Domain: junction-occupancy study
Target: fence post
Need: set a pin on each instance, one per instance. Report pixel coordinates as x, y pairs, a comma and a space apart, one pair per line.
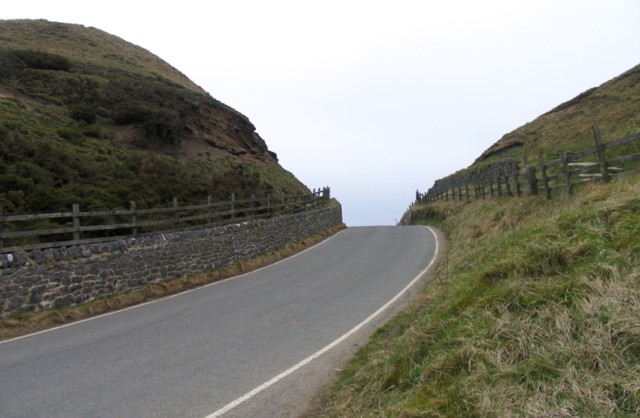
176, 218
1, 226
567, 172
269, 215
75, 208
518, 190
233, 205
209, 208
604, 172
545, 179
533, 181
134, 217
253, 205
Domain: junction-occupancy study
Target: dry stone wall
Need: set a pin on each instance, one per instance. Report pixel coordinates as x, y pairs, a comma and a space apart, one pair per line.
61, 277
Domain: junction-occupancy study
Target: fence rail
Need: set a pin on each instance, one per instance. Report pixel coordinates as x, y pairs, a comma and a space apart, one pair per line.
616, 159
21, 232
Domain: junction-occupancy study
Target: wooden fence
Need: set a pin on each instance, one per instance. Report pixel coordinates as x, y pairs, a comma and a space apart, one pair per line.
20, 232
603, 162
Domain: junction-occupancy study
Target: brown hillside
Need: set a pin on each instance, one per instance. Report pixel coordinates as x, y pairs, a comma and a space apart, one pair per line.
214, 124
615, 106
87, 117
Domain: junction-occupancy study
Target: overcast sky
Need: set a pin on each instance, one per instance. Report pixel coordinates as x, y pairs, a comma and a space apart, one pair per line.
375, 98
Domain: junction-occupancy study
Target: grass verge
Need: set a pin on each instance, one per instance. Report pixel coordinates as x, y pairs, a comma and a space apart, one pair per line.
534, 311
27, 323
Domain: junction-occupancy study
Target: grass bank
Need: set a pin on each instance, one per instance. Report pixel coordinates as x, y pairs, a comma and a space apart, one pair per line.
26, 323
534, 311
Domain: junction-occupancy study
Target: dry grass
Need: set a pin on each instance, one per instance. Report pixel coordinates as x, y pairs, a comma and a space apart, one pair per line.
86, 44
536, 313
613, 105
32, 322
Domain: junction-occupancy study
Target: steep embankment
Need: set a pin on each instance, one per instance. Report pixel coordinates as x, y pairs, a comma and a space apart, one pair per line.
86, 117
534, 311
614, 106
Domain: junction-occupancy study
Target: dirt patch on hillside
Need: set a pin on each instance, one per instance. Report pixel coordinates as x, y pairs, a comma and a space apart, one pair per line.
189, 149
5, 93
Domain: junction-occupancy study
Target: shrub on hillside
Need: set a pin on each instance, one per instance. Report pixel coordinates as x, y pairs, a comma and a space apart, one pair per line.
130, 112
84, 113
43, 61
166, 125
10, 64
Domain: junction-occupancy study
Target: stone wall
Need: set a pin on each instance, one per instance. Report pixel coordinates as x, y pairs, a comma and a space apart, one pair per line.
66, 276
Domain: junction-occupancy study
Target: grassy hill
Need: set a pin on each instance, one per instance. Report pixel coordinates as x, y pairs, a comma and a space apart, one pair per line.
535, 310
88, 118
614, 106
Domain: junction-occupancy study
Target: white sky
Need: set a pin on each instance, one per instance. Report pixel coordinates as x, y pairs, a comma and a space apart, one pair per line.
376, 98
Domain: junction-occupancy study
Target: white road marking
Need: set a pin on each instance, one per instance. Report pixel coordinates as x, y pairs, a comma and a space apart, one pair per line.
314, 356
70, 324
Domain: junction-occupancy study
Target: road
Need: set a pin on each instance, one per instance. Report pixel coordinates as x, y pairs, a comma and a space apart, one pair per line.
256, 345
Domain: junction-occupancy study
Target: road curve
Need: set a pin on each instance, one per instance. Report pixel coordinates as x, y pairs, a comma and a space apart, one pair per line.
215, 351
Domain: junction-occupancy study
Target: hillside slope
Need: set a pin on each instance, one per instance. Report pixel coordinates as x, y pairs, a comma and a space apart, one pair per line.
533, 313
535, 309
614, 105
86, 117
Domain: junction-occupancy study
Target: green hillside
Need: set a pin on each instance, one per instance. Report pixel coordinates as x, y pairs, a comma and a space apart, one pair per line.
615, 106
533, 312
535, 309
88, 118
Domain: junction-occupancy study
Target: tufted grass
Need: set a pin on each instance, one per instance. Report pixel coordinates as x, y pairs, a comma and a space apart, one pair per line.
534, 312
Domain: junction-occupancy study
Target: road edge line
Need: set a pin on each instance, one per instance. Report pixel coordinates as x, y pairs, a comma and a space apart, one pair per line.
317, 354
140, 305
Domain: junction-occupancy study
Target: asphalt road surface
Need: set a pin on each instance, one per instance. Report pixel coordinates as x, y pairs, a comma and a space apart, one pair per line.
261, 344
